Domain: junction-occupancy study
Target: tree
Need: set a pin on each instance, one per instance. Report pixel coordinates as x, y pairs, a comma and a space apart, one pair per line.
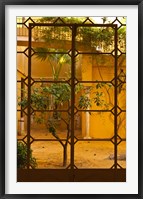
56, 95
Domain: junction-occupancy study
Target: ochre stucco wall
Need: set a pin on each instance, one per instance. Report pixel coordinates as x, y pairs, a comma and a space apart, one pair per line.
88, 68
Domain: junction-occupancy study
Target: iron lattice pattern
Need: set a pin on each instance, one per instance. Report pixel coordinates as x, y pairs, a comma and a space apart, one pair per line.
71, 88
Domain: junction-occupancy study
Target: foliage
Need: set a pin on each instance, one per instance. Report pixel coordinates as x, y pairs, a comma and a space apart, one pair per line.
60, 91
40, 96
92, 36
122, 34
22, 156
99, 97
39, 99
84, 102
56, 59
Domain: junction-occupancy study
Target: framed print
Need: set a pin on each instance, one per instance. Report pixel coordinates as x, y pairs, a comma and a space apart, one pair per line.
71, 99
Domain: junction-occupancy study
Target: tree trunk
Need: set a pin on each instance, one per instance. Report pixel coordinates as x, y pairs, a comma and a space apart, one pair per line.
65, 155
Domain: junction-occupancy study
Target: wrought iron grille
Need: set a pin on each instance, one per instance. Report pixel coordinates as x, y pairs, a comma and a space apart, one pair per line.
78, 94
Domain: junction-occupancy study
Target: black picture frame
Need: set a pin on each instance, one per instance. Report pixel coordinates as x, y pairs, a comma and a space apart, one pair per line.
3, 3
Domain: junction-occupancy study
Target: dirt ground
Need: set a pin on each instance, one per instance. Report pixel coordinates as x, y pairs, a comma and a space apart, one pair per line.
87, 154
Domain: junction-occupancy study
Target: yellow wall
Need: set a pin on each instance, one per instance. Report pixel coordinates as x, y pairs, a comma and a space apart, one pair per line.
102, 124
88, 68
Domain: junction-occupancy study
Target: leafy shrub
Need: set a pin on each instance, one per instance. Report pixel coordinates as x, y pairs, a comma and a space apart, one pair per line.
22, 156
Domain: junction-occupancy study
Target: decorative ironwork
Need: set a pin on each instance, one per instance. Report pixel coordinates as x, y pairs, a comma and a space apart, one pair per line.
76, 48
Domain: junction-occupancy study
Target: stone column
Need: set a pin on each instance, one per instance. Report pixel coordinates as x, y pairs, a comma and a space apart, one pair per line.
86, 71
87, 115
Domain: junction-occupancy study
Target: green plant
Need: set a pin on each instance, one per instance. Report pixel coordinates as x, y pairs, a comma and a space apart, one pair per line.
92, 36
84, 102
22, 156
61, 92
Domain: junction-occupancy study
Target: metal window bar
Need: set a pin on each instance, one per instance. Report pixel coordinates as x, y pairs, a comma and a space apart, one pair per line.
73, 27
